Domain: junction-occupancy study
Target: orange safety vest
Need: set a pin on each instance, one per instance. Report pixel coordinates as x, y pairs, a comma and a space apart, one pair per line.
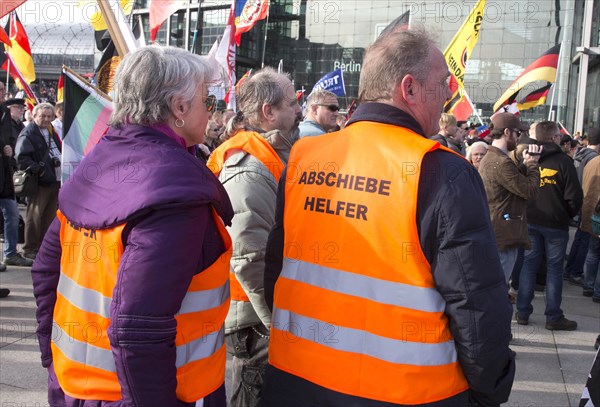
81, 351
356, 309
255, 145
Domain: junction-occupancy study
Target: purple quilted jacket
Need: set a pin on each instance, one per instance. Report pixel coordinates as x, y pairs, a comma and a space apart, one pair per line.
147, 178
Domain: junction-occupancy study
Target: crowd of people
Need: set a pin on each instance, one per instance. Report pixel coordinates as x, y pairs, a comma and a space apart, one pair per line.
325, 256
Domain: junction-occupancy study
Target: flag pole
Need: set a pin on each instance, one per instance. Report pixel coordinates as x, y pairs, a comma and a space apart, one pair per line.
193, 47
7, 77
262, 64
120, 33
555, 82
8, 62
82, 79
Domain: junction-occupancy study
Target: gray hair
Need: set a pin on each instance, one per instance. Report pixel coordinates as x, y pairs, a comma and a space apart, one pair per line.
264, 87
318, 96
474, 146
42, 106
390, 59
149, 78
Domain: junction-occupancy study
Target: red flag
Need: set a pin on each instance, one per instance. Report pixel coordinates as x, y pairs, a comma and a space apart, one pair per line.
4, 37
248, 15
299, 95
458, 105
160, 10
6, 6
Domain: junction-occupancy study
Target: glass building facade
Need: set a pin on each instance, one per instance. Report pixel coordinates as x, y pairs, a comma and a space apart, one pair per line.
314, 37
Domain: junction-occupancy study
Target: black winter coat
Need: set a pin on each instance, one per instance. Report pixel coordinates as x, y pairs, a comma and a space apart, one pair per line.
7, 164
32, 153
461, 248
560, 197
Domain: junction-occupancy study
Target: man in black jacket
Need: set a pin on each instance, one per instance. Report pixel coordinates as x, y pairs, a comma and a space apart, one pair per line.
8, 203
38, 151
459, 246
559, 200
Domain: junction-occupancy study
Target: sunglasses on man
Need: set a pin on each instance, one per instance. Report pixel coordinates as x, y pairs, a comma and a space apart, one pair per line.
331, 108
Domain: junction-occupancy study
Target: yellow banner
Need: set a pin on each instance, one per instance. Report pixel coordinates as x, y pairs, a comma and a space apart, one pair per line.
458, 51
96, 19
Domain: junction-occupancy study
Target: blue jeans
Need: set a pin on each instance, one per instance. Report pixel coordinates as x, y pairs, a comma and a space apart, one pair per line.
592, 268
554, 242
10, 211
508, 258
576, 257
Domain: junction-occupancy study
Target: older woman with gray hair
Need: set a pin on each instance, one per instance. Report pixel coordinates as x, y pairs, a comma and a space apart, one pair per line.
476, 152
132, 280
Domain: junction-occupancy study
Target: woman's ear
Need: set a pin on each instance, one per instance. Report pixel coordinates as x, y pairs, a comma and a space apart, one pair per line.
180, 107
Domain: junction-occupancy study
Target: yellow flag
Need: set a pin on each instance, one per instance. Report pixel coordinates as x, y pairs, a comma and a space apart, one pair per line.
96, 19
458, 51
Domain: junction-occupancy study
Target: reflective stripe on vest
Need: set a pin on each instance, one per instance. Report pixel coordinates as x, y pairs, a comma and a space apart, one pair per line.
81, 349
255, 145
87, 353
385, 292
356, 310
365, 343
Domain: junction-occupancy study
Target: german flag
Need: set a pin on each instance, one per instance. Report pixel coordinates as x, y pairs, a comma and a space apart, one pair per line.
60, 88
542, 69
535, 98
19, 49
18, 78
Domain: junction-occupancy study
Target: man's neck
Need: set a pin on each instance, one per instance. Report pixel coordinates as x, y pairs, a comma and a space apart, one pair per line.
501, 144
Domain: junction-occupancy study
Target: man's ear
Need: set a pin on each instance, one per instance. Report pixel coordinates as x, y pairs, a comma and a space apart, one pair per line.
267, 111
408, 87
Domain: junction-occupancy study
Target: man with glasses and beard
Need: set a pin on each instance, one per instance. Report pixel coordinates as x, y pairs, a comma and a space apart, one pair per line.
509, 186
321, 113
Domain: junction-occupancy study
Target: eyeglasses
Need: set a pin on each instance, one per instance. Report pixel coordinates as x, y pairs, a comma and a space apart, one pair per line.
519, 132
210, 102
331, 108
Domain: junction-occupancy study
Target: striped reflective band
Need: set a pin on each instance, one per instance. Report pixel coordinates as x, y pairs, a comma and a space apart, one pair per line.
382, 291
82, 352
88, 354
84, 298
364, 343
200, 348
94, 302
196, 301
